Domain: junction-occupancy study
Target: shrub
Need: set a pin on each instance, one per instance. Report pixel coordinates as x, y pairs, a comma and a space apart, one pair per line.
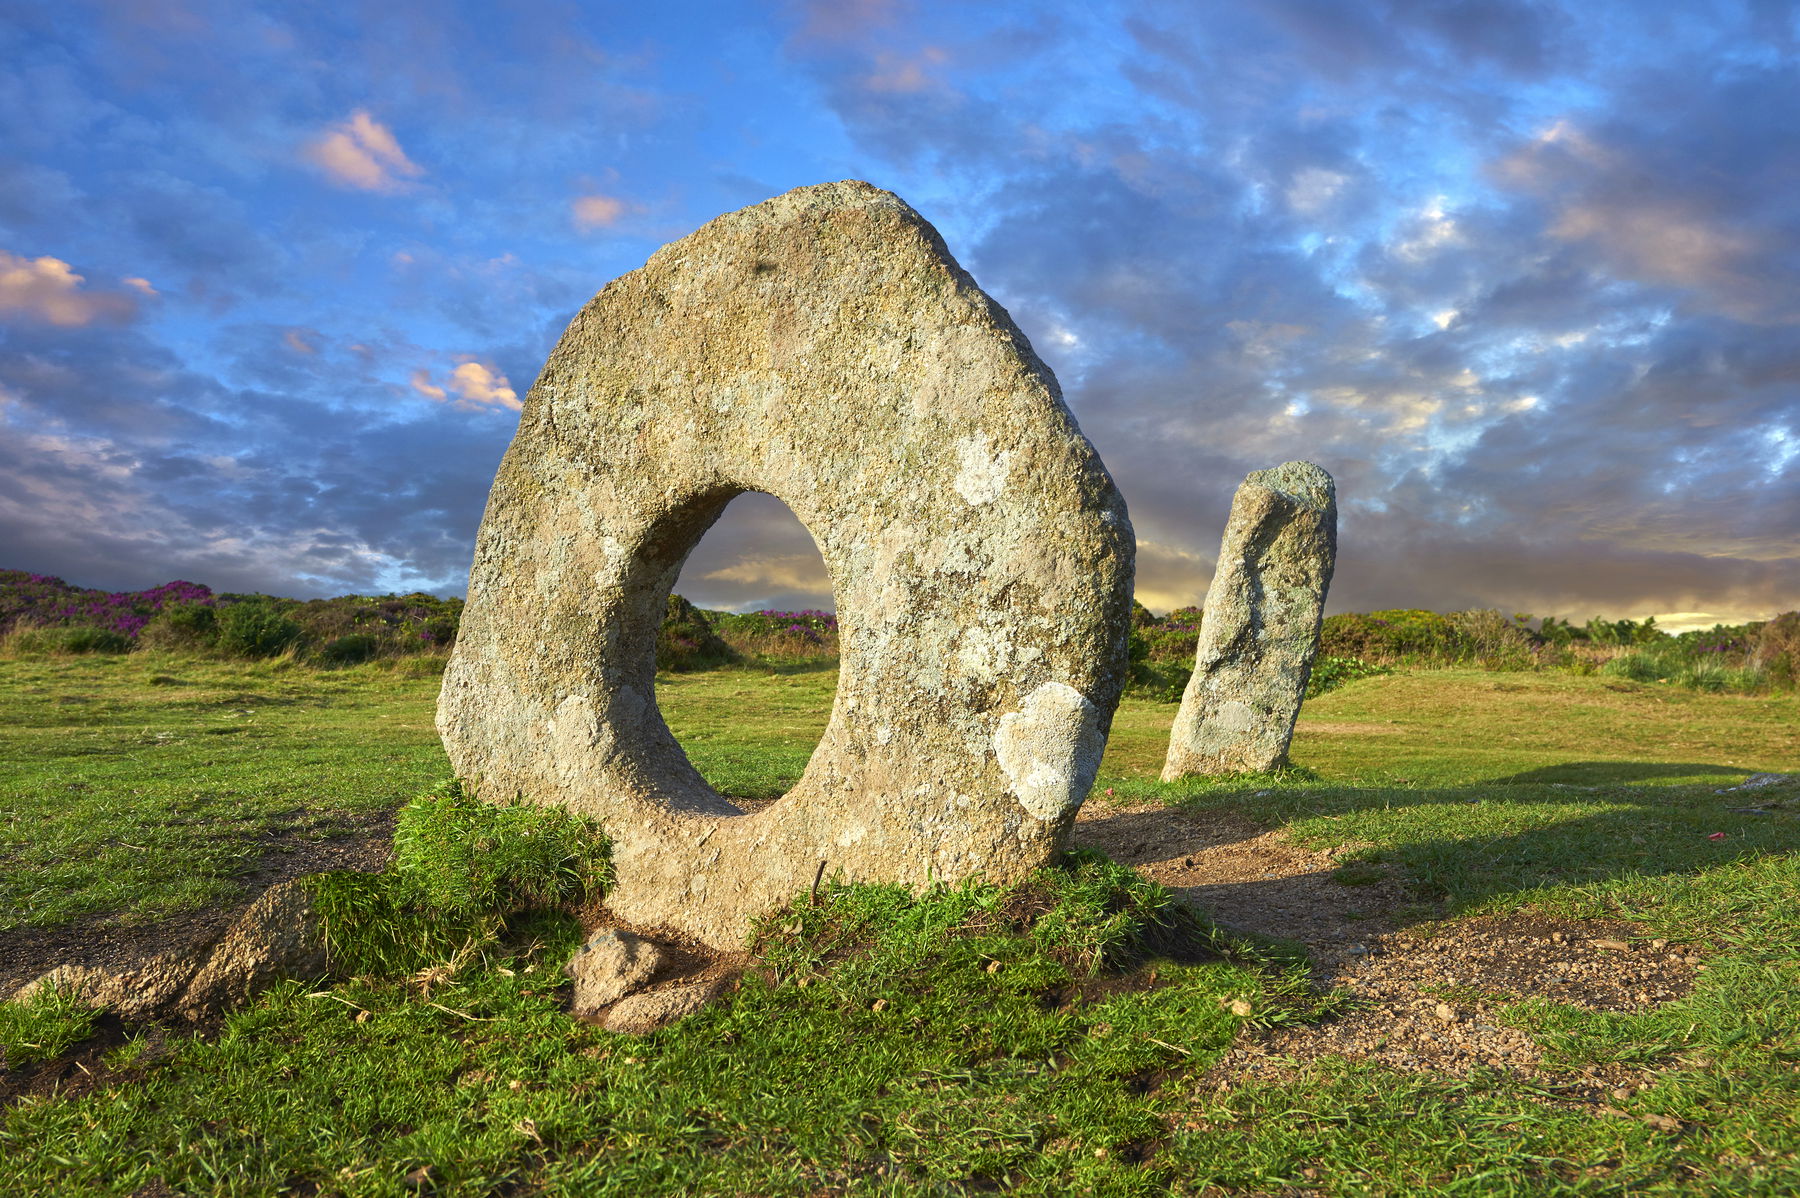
1329, 673
256, 628
687, 639
1496, 642
1638, 667
45, 600
182, 626
1392, 635
778, 635
1776, 651
399, 624
1171, 638
349, 649
69, 639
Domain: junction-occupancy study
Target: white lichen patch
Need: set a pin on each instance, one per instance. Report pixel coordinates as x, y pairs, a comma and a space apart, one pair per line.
1050, 749
983, 472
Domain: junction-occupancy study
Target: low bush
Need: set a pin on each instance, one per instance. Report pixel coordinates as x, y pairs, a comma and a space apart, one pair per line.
1394, 635
182, 626
462, 871
43, 600
1776, 649
1491, 639
68, 639
256, 628
349, 649
688, 639
779, 635
1329, 673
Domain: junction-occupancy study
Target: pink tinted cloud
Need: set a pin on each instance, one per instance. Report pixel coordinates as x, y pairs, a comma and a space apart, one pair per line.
364, 154
597, 211
47, 290
474, 384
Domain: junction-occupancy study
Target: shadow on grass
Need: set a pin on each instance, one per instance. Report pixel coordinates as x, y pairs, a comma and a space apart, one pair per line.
1614, 773
1612, 844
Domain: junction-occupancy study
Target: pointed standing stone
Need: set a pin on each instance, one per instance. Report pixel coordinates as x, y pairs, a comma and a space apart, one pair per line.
1261, 625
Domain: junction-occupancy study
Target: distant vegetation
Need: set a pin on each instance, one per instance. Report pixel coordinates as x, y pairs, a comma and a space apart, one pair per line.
40, 614
1740, 658
43, 614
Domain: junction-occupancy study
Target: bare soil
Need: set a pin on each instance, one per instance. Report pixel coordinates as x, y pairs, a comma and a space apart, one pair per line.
1426, 991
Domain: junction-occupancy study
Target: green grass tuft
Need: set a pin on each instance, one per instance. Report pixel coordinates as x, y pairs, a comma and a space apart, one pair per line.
462, 871
464, 855
43, 1027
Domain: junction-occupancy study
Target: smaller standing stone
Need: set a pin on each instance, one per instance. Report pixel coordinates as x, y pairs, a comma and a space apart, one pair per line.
1260, 631
610, 966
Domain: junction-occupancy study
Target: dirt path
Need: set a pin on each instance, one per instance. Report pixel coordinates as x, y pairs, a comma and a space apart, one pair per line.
1426, 995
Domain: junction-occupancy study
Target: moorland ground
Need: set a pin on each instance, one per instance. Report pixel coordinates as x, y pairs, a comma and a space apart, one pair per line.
1496, 933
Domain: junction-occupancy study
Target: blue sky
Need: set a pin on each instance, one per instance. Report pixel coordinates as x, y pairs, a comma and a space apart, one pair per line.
1525, 277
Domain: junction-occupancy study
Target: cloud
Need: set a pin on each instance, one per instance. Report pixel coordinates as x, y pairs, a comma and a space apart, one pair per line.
476, 384
906, 73
831, 21
363, 153
758, 556
597, 211
48, 290
421, 382
139, 284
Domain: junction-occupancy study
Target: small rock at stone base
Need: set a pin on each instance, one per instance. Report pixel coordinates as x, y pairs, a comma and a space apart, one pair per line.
610, 966
642, 1013
1446, 1012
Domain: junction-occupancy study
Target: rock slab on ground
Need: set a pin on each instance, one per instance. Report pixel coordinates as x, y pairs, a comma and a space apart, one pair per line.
825, 348
138, 991
611, 965
1260, 630
279, 936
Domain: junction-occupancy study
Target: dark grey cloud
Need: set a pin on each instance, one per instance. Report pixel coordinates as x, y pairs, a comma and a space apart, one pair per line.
1562, 381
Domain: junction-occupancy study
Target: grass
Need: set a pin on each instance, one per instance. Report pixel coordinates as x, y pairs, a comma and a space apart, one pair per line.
974, 1038
138, 786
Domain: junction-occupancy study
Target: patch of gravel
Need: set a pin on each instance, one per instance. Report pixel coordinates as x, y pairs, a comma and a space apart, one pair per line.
1429, 998
1424, 997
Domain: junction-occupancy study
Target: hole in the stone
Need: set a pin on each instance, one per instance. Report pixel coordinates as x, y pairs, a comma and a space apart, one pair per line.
746, 678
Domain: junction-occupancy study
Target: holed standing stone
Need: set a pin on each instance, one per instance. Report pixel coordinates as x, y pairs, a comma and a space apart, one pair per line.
1260, 630
822, 347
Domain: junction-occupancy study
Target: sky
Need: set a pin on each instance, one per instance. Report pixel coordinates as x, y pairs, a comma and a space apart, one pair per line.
1523, 276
